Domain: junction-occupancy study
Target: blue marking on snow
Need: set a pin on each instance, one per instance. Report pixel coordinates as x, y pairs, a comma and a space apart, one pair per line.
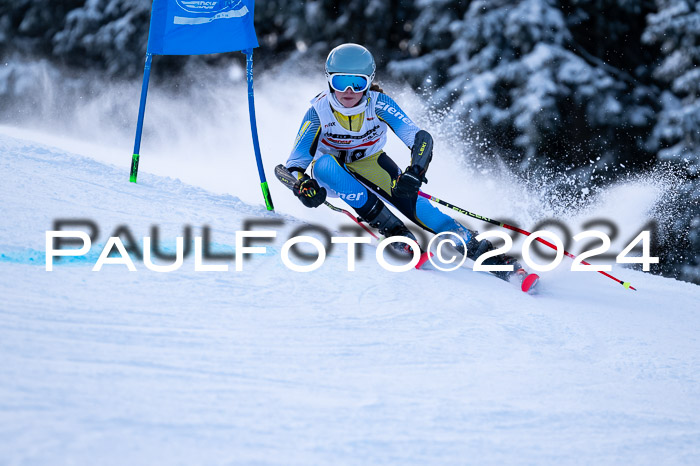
30, 256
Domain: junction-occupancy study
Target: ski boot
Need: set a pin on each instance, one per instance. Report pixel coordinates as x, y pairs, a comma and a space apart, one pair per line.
475, 248
388, 224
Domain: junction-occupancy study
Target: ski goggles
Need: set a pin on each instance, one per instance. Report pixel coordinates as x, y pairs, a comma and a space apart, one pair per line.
356, 82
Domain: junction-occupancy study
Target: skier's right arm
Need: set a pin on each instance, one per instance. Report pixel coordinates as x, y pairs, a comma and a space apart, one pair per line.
307, 190
305, 144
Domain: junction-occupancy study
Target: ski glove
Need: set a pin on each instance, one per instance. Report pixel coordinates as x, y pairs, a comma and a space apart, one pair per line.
407, 184
309, 192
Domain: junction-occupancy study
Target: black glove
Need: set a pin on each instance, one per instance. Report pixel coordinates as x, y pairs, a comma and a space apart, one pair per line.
407, 184
309, 192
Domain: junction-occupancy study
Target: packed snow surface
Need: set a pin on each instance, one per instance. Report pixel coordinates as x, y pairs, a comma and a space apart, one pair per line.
271, 366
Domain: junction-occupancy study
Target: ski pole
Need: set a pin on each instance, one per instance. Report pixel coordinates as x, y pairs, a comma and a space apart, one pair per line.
289, 181
355, 219
519, 230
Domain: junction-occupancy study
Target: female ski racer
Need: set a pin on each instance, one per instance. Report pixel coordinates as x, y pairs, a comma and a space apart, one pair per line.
340, 142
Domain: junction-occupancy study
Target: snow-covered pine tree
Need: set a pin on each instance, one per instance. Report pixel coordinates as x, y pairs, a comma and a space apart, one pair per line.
676, 136
106, 34
316, 26
427, 42
513, 72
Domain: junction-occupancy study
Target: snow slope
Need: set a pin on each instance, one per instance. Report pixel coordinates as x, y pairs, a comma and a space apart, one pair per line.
270, 366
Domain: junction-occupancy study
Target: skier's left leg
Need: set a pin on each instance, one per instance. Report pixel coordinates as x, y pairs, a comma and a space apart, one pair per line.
379, 171
438, 222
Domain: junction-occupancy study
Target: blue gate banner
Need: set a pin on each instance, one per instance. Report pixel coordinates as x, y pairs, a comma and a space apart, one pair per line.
194, 27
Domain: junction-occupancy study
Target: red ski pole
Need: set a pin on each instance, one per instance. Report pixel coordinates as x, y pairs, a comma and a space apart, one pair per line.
354, 219
519, 230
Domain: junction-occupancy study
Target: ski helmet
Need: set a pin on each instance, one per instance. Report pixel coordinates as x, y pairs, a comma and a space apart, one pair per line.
350, 59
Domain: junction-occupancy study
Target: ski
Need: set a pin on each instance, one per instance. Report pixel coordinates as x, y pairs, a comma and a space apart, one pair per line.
424, 257
528, 281
520, 277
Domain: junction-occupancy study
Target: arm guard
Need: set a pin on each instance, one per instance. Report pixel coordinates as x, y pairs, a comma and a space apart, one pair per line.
421, 154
